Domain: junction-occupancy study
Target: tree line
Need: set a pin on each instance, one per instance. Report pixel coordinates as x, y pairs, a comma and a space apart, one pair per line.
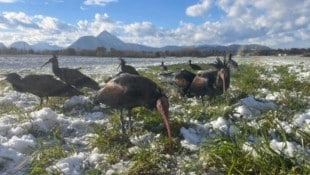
186, 52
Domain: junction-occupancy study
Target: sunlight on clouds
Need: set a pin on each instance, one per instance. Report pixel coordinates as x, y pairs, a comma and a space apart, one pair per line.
98, 2
199, 9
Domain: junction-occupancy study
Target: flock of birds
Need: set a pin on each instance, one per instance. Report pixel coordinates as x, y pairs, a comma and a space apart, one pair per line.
127, 89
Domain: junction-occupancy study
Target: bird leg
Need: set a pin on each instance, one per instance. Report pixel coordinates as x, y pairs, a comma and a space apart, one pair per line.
122, 121
162, 106
129, 117
41, 101
202, 101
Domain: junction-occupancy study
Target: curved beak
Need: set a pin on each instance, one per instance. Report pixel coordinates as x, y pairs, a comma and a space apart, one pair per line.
162, 106
223, 77
49, 61
118, 66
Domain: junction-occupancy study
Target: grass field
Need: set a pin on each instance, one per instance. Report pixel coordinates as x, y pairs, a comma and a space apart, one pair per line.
261, 125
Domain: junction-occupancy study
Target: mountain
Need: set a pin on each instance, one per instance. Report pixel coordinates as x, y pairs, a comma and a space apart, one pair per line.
36, 47
108, 41
44, 46
2, 46
20, 45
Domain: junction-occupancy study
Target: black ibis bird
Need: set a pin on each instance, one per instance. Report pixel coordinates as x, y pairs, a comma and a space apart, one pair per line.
183, 80
127, 68
211, 83
163, 66
72, 76
127, 91
193, 66
232, 64
41, 86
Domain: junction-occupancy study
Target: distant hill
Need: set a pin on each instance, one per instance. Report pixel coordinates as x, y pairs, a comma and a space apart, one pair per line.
233, 47
36, 47
22, 45
108, 41
2, 46
45, 46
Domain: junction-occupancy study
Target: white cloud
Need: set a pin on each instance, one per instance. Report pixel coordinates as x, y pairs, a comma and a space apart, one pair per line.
272, 23
18, 17
98, 2
100, 23
199, 9
8, 1
141, 29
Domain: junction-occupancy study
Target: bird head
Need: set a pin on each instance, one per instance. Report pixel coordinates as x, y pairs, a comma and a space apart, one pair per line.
52, 60
231, 63
12, 77
122, 62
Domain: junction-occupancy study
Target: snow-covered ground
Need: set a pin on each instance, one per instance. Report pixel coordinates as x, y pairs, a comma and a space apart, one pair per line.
18, 144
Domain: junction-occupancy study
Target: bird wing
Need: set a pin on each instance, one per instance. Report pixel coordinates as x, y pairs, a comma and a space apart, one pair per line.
78, 79
47, 85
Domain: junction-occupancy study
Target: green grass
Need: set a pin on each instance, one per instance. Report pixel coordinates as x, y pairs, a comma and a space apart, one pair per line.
224, 154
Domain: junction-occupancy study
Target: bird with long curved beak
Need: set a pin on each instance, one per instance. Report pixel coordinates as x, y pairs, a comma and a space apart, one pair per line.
71, 76
126, 68
127, 91
51, 60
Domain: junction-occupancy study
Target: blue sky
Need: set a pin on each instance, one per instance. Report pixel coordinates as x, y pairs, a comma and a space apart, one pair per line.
157, 23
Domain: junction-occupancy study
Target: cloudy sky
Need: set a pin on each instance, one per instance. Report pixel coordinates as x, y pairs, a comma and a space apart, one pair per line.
274, 23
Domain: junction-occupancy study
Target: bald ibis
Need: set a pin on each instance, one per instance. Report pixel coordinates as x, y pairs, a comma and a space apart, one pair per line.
41, 86
211, 83
183, 80
194, 66
127, 91
127, 68
163, 66
72, 76
232, 64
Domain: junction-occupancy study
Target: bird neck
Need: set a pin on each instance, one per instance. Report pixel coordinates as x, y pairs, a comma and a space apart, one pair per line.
55, 67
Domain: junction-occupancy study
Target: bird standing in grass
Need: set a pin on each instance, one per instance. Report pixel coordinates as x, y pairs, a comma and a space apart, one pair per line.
41, 86
193, 66
211, 83
72, 76
127, 91
163, 66
127, 68
183, 80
